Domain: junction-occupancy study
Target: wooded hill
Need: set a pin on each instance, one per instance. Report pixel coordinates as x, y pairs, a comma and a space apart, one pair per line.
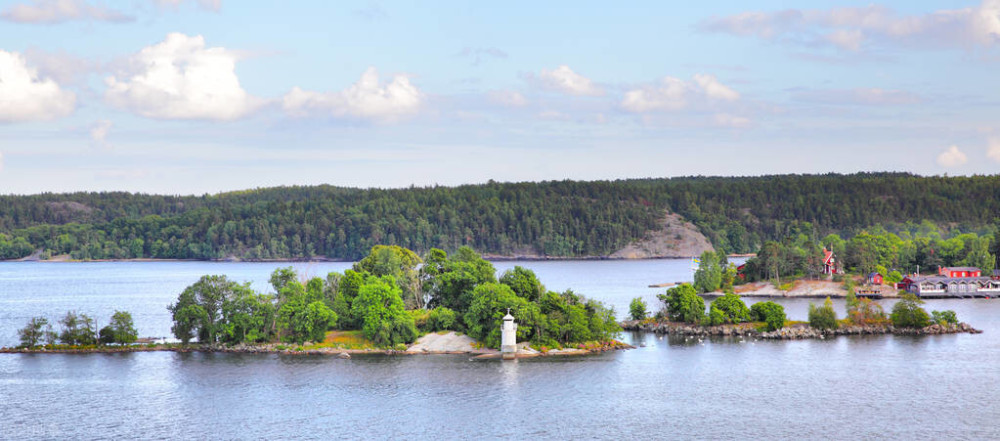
563, 218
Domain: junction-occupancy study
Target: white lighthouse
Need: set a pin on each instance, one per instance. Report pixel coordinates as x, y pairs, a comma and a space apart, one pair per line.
508, 337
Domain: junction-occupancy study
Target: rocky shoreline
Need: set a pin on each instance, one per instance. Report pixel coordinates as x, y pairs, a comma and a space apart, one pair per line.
282, 349
793, 332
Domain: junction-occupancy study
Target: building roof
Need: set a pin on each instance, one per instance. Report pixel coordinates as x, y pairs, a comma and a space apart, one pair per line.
943, 279
960, 268
873, 274
827, 255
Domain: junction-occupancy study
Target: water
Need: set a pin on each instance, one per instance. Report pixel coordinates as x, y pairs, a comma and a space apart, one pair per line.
850, 387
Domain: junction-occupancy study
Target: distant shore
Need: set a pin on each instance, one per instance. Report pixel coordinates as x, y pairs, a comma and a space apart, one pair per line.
492, 258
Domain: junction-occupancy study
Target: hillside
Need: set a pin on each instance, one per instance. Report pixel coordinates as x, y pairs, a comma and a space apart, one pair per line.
546, 219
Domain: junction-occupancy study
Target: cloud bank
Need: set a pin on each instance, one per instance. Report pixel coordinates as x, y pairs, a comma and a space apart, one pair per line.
58, 11
952, 157
366, 99
180, 78
563, 79
854, 28
672, 94
24, 96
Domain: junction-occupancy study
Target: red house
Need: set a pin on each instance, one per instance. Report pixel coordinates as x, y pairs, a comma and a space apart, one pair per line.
959, 271
874, 279
829, 262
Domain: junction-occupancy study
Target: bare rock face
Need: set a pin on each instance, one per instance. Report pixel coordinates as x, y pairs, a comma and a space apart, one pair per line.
675, 238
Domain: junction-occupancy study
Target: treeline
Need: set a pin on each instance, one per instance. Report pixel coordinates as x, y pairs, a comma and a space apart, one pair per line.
892, 254
391, 295
564, 218
78, 330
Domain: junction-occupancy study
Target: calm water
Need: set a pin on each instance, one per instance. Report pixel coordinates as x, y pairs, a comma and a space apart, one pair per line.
859, 387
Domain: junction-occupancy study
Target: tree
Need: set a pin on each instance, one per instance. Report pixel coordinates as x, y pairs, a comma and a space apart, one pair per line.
78, 330
637, 309
379, 307
300, 321
248, 317
729, 278
823, 317
457, 277
121, 330
401, 264
770, 313
37, 330
523, 282
683, 304
281, 277
490, 304
893, 278
907, 313
944, 317
733, 309
708, 276
347, 290
198, 311
441, 319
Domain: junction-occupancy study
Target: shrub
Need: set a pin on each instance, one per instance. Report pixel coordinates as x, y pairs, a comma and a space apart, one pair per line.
823, 317
907, 313
866, 312
770, 313
944, 317
715, 316
637, 309
420, 318
733, 308
683, 304
442, 319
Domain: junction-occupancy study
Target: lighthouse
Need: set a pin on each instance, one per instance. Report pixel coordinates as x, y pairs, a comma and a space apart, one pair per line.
508, 337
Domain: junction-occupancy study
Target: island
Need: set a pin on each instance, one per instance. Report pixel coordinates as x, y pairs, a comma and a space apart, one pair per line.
392, 301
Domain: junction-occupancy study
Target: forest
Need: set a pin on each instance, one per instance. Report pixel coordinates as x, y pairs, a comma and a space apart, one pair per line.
544, 219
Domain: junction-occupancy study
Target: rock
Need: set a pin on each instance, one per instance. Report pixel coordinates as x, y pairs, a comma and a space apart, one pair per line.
344, 355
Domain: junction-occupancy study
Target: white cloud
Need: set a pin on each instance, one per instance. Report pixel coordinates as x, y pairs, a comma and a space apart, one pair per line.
851, 28
672, 94
180, 78
99, 131
714, 89
24, 96
952, 157
565, 80
993, 150
58, 11
508, 98
365, 99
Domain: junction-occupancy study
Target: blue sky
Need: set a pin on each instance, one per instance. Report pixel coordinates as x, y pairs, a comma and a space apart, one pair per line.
182, 97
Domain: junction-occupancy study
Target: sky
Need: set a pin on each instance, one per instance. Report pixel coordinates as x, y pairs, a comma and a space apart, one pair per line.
206, 96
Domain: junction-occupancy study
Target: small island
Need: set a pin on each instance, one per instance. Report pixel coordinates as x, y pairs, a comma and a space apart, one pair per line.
683, 313
390, 302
